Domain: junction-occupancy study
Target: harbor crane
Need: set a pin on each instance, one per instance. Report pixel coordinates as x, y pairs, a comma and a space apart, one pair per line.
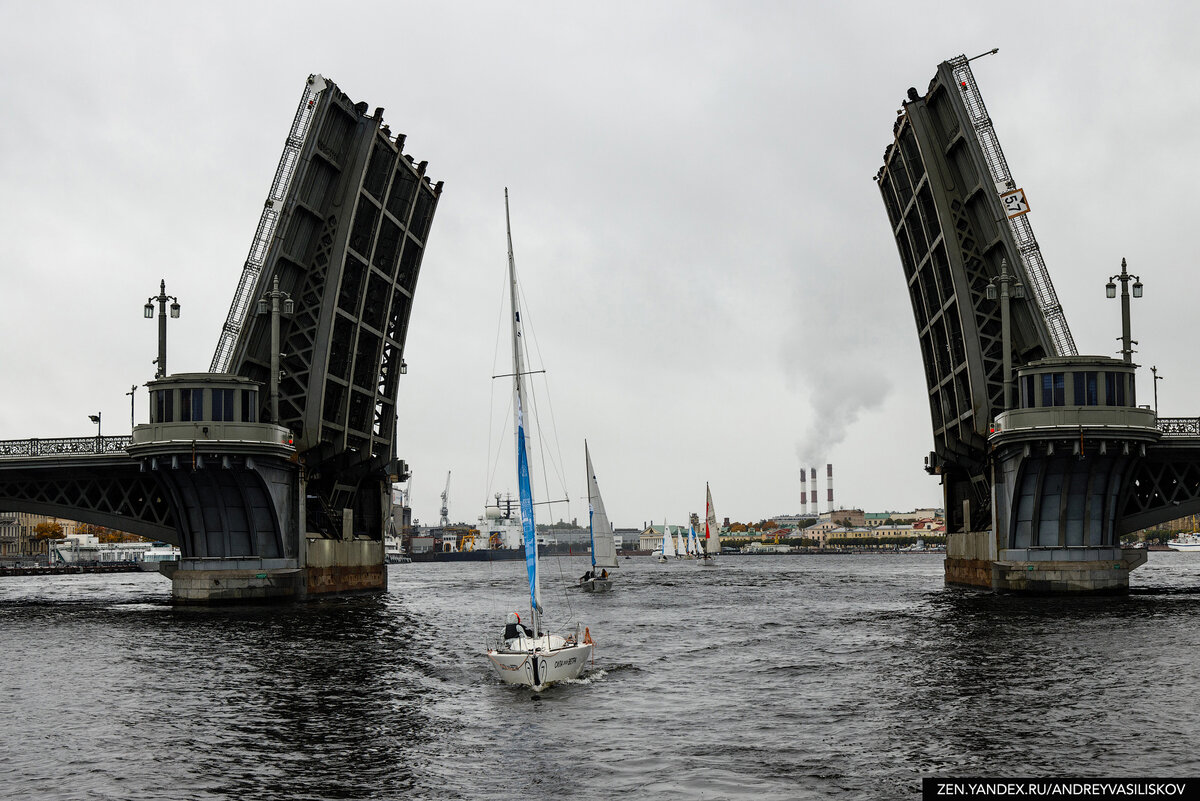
446, 502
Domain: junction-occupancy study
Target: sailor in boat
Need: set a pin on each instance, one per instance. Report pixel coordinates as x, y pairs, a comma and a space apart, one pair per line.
604, 575
514, 628
588, 576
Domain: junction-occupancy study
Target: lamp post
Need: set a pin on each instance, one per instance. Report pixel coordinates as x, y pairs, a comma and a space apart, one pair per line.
162, 299
1110, 290
130, 393
270, 304
95, 418
1157, 378
1008, 287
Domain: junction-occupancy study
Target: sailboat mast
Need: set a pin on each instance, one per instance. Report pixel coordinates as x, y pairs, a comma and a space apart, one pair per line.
707, 515
591, 509
519, 407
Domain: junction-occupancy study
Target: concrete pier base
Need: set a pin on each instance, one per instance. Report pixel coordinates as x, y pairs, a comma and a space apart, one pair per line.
333, 567
969, 558
1076, 571
344, 566
972, 560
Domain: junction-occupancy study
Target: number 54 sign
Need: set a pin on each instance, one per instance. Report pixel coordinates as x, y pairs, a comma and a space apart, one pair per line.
1015, 203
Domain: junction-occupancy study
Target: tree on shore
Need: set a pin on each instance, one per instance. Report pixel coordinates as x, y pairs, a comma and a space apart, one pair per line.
49, 530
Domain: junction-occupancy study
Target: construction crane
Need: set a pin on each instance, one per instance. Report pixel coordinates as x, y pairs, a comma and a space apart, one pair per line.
446, 502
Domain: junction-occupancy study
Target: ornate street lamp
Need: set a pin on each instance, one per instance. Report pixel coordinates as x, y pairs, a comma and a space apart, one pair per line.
148, 309
1110, 290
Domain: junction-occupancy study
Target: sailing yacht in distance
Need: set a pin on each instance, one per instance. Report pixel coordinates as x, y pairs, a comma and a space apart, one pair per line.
604, 547
712, 534
668, 544
531, 656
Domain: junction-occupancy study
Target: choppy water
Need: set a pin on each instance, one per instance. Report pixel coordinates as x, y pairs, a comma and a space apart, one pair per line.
767, 678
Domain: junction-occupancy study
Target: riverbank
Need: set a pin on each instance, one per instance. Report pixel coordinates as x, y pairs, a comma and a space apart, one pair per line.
60, 570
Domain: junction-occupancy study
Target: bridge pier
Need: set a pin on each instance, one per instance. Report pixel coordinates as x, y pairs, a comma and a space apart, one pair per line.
238, 484
1058, 474
331, 567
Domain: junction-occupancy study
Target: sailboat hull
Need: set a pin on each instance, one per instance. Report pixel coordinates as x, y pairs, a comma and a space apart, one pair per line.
541, 667
596, 585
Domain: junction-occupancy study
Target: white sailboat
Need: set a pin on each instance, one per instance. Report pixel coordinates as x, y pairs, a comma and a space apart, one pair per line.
531, 657
712, 534
693, 546
604, 548
668, 544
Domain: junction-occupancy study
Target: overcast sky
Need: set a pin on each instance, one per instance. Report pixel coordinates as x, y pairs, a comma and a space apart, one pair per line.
705, 258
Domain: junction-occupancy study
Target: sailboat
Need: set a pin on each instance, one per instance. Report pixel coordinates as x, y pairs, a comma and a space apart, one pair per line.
604, 548
531, 657
712, 534
668, 546
693, 546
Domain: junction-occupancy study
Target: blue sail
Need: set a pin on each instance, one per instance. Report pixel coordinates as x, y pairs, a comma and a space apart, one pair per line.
527, 510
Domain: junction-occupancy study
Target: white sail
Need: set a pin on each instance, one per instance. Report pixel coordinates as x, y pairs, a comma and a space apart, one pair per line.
693, 546
680, 542
712, 534
668, 542
604, 548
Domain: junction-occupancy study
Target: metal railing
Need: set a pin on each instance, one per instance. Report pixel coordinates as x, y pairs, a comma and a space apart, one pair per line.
1036, 273
266, 224
63, 446
1179, 426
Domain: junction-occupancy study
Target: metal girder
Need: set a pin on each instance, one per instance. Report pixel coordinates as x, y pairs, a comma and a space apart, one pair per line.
349, 243
1163, 486
951, 231
105, 491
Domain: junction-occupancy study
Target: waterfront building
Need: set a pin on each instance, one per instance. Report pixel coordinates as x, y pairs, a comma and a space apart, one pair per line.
627, 538
845, 517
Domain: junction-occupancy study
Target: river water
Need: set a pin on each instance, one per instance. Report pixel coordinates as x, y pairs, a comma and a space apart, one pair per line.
770, 677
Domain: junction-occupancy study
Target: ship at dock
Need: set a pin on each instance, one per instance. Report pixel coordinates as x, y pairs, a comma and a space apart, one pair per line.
496, 537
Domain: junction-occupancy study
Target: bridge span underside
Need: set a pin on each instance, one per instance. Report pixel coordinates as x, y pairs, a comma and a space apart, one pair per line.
104, 490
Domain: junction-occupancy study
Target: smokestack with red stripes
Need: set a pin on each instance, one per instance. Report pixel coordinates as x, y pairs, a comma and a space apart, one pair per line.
803, 492
812, 489
829, 478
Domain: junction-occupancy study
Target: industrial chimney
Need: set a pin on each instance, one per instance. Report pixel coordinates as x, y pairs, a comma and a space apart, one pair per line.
829, 478
813, 489
803, 492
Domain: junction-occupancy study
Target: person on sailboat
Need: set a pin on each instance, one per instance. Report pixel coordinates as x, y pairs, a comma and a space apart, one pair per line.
604, 575
513, 628
588, 576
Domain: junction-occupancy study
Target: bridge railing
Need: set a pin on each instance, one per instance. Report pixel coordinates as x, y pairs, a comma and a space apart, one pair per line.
1179, 426
63, 446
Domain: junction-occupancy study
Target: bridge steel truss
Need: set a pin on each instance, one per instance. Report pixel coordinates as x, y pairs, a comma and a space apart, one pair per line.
107, 489
952, 233
348, 247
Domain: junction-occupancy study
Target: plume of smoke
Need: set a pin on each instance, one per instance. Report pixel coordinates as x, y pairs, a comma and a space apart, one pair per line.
845, 373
